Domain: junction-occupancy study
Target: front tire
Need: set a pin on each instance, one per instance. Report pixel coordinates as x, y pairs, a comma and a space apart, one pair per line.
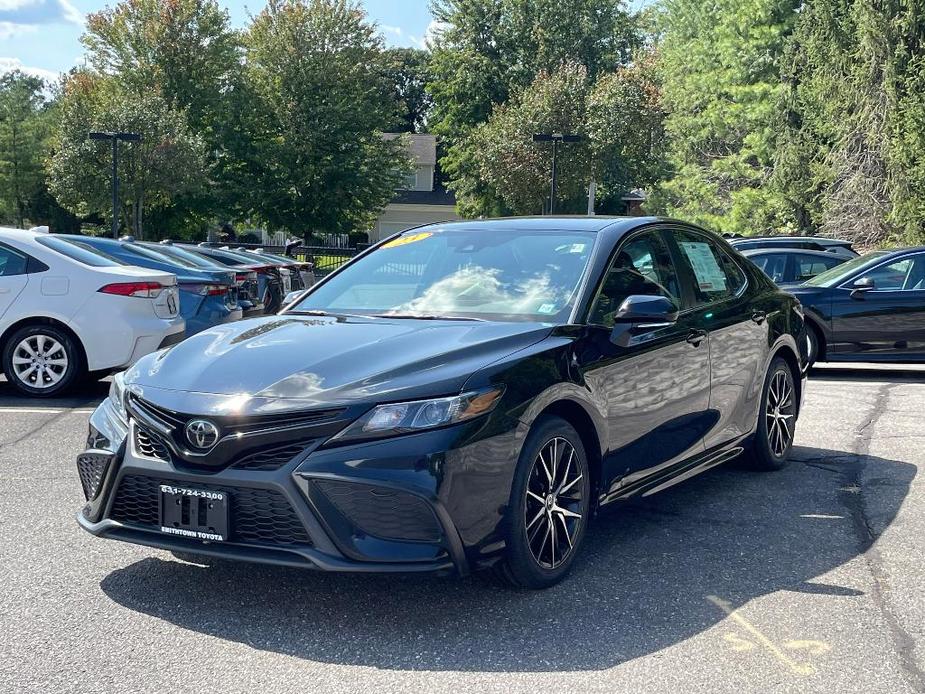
550, 505
773, 439
42, 361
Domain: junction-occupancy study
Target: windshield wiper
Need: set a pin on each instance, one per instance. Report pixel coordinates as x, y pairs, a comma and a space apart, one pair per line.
425, 316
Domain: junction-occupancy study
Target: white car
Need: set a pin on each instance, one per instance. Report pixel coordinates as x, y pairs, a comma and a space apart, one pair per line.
67, 310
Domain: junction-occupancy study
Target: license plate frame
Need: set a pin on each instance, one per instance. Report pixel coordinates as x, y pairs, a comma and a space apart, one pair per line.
197, 514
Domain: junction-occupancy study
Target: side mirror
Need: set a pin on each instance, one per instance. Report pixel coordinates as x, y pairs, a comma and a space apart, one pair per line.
865, 284
292, 297
648, 311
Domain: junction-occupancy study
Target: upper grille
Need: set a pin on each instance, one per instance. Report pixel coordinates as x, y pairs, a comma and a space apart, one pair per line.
92, 467
271, 458
243, 425
384, 513
151, 445
261, 516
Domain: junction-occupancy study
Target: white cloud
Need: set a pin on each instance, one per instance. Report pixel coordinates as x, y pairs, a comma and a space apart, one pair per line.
10, 64
432, 31
21, 16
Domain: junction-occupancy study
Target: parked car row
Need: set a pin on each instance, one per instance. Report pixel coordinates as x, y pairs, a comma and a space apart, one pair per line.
72, 306
868, 308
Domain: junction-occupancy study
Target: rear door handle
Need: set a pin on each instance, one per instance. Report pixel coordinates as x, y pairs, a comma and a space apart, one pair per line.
696, 337
759, 316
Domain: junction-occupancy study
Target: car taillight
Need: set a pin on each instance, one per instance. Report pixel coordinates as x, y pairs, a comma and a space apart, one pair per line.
205, 289
144, 290
263, 270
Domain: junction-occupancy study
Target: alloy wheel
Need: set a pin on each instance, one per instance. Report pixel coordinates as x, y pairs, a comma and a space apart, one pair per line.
40, 361
780, 411
553, 509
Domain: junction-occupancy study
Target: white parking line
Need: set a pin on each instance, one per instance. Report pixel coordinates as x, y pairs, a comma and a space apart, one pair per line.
43, 410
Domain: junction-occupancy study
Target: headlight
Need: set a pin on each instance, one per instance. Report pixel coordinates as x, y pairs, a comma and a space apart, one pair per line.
418, 415
117, 395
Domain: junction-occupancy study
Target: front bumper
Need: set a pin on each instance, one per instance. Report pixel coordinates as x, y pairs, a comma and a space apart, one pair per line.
374, 507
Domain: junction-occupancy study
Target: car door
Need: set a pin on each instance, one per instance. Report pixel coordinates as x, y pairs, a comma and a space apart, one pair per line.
886, 320
724, 308
13, 276
653, 383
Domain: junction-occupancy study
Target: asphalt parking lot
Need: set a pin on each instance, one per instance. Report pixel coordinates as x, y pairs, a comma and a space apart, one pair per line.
810, 579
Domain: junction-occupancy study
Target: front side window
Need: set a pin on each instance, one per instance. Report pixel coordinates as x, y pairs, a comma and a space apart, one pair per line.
12, 263
715, 274
903, 275
641, 266
501, 274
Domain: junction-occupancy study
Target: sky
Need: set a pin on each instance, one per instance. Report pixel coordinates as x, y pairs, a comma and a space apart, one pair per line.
43, 36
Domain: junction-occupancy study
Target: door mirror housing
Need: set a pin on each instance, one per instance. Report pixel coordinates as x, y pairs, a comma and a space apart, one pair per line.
292, 297
864, 284
653, 311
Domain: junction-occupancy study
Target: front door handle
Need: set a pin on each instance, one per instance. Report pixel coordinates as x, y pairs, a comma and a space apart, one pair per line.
759, 316
695, 337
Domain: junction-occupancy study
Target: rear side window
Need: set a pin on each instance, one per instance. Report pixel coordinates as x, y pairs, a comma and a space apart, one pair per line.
774, 265
808, 266
80, 252
716, 276
12, 263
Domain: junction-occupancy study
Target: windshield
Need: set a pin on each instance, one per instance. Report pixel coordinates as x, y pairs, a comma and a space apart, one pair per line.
834, 276
81, 252
497, 275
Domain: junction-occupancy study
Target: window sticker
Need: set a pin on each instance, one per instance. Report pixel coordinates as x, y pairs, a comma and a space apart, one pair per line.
547, 308
404, 240
710, 276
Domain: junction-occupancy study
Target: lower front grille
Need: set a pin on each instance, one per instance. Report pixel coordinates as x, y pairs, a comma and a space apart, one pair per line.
260, 516
385, 513
91, 467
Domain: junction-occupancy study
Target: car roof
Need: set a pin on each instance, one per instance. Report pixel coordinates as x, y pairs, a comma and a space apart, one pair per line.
749, 252
544, 223
821, 240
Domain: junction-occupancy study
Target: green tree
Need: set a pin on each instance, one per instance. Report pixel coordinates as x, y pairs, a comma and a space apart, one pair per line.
519, 169
489, 50
168, 162
186, 51
23, 130
318, 104
408, 71
720, 66
853, 121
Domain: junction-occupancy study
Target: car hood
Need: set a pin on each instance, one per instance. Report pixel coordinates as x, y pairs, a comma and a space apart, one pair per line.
322, 361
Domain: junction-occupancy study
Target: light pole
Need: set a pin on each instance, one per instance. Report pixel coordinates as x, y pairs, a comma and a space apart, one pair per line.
115, 137
555, 138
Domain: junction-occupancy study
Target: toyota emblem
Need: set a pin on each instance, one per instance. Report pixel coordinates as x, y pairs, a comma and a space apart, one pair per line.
201, 433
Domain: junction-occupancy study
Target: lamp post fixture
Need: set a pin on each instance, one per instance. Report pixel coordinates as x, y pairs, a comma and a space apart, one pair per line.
555, 138
115, 137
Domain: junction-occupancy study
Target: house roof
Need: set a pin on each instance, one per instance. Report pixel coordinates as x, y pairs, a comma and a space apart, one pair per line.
422, 147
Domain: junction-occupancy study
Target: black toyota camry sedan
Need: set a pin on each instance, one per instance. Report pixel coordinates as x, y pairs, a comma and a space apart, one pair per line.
459, 396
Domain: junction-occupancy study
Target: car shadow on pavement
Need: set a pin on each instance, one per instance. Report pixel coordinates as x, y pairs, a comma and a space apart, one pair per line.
891, 373
88, 392
652, 574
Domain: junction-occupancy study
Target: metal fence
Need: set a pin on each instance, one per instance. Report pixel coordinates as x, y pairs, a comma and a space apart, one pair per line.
326, 258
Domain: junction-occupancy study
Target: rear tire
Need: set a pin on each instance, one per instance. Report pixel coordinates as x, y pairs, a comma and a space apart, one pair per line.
770, 446
549, 507
42, 361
